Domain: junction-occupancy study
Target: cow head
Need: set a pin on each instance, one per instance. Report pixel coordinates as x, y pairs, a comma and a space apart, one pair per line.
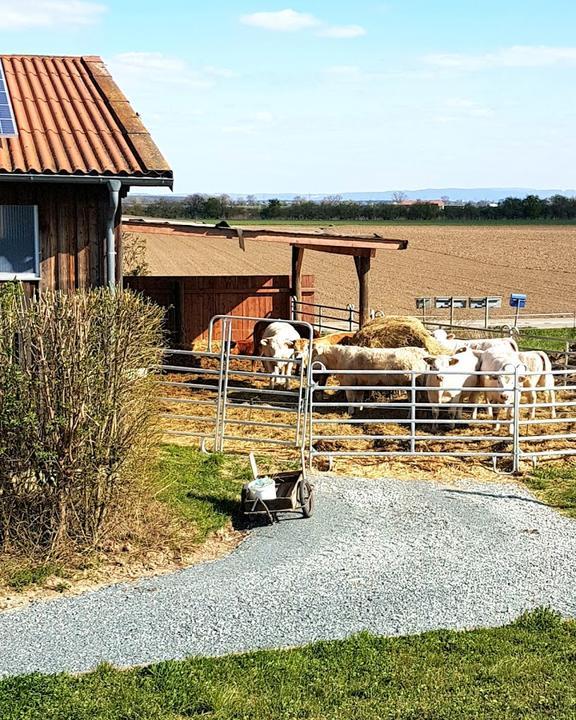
277, 348
443, 383
502, 384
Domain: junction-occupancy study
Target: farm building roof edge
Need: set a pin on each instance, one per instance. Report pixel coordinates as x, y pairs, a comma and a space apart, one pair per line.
75, 124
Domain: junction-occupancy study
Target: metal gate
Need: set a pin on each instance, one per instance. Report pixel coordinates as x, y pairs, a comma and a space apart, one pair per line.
235, 404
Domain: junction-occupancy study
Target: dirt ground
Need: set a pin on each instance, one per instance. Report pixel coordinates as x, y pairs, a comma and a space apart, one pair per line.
440, 260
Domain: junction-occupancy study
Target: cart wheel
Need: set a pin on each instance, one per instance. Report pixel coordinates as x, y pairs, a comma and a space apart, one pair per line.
243, 500
306, 498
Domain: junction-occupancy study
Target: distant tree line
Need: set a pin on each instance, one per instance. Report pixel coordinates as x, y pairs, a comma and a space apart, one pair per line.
206, 207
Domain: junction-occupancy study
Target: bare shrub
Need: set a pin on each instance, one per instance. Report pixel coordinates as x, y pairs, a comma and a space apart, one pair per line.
77, 415
134, 254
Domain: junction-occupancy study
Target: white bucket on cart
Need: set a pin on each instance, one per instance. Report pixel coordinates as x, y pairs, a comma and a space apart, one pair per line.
264, 488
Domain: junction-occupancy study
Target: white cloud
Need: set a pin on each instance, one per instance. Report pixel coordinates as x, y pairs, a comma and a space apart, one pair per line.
282, 21
26, 14
158, 68
515, 56
291, 21
342, 31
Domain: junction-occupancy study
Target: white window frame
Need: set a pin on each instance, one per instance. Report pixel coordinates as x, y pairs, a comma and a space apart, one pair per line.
27, 275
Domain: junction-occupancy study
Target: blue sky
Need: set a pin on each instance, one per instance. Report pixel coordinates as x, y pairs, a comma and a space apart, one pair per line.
325, 96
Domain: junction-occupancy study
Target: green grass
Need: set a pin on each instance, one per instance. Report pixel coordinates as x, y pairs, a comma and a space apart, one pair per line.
27, 576
202, 492
549, 339
203, 489
526, 670
556, 486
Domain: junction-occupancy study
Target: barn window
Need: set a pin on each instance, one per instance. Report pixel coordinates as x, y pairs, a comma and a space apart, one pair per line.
19, 256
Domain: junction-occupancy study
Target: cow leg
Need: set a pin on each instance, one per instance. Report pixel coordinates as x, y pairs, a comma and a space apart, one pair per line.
551, 398
533, 399
510, 416
495, 415
289, 369
353, 396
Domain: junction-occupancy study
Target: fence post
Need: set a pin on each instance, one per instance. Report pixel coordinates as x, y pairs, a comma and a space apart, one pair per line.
516, 424
226, 343
350, 309
413, 413
217, 426
320, 318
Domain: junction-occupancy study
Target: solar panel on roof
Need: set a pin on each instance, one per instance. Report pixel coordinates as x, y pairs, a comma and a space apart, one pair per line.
7, 120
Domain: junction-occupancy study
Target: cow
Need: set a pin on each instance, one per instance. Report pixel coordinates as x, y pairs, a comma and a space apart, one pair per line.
500, 368
452, 343
277, 342
539, 376
358, 359
453, 382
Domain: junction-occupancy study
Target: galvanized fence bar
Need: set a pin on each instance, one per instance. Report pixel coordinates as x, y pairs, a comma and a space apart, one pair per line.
416, 430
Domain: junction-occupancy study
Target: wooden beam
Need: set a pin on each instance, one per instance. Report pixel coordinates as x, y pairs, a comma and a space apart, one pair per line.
297, 257
363, 272
309, 239
344, 250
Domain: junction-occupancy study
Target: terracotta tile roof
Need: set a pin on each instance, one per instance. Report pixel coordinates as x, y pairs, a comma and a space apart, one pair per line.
73, 119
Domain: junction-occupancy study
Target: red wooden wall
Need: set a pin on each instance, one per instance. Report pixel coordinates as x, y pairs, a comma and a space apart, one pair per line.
192, 301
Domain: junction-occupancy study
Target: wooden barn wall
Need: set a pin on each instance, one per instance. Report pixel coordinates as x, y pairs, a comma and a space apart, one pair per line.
72, 226
192, 301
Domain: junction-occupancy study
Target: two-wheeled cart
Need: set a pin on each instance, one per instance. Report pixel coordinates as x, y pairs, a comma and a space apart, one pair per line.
294, 494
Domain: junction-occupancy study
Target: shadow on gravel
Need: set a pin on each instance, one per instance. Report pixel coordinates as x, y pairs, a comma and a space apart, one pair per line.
495, 496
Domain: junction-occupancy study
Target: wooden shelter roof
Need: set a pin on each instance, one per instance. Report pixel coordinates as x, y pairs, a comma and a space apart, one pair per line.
357, 245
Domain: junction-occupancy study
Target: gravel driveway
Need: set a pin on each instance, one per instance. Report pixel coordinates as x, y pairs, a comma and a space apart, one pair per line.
389, 556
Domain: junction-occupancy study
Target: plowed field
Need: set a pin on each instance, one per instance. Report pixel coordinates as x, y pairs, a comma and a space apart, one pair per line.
440, 260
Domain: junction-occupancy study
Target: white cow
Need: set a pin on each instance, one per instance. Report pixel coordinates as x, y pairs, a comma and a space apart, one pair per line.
350, 357
500, 366
540, 376
453, 381
278, 343
452, 343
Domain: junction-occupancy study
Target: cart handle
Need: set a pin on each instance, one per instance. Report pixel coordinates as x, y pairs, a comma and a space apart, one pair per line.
253, 466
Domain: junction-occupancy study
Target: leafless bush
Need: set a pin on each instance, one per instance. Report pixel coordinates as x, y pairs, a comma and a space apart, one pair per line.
77, 418
134, 254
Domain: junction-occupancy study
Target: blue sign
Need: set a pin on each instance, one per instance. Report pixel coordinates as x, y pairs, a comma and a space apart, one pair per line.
517, 300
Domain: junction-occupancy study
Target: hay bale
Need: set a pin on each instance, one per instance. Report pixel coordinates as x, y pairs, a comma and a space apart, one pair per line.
394, 331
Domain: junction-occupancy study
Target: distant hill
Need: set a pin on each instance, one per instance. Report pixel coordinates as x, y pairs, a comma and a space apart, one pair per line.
454, 194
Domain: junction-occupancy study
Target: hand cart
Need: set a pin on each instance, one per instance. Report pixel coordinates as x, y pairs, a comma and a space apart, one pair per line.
294, 494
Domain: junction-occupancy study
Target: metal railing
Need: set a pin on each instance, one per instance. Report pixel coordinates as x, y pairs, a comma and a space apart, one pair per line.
226, 402
221, 399
326, 317
406, 425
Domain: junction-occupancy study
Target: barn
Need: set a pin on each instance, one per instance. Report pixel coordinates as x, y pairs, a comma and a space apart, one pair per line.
71, 147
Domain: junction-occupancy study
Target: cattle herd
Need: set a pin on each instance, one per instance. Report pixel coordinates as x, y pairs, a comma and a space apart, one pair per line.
481, 373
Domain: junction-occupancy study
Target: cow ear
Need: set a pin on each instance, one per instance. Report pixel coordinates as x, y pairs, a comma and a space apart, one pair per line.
429, 360
290, 343
265, 342
453, 361
450, 336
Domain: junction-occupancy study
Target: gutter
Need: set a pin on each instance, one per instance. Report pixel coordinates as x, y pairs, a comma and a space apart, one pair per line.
88, 179
114, 187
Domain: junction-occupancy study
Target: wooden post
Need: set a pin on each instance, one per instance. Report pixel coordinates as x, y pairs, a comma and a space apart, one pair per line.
363, 271
297, 257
